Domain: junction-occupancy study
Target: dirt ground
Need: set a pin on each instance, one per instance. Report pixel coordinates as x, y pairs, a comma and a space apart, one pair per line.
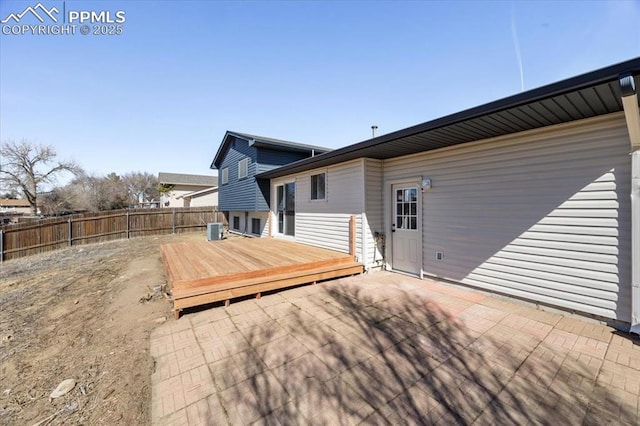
83, 313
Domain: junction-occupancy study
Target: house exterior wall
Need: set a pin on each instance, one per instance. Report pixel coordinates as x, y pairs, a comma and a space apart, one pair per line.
269, 159
374, 220
245, 222
172, 199
543, 215
247, 194
238, 194
204, 200
15, 210
325, 223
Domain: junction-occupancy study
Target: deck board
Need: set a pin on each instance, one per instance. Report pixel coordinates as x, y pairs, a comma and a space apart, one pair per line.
209, 271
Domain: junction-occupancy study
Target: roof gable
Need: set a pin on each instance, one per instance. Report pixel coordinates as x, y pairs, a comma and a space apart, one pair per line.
263, 142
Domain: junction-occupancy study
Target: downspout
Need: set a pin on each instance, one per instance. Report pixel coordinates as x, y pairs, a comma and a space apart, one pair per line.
632, 116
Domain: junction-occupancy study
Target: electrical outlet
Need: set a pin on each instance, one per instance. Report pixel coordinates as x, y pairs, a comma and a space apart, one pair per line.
439, 255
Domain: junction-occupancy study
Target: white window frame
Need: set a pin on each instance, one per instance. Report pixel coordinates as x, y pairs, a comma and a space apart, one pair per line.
311, 187
243, 168
225, 176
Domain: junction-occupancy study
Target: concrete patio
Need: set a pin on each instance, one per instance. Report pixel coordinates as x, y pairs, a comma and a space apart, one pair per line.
391, 349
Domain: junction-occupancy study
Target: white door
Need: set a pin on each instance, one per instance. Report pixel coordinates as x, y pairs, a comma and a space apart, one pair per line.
405, 229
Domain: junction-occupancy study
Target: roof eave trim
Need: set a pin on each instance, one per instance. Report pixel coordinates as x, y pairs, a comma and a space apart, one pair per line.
572, 84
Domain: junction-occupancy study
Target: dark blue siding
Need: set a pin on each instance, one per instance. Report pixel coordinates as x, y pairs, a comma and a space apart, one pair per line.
274, 157
238, 194
247, 194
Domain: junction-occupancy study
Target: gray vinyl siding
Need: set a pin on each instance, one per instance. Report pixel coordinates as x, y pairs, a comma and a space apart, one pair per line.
544, 215
373, 199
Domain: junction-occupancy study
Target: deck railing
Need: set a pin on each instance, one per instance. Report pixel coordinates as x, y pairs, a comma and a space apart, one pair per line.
25, 239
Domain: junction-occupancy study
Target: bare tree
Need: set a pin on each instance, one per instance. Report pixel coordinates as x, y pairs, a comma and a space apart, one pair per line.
92, 193
141, 186
29, 167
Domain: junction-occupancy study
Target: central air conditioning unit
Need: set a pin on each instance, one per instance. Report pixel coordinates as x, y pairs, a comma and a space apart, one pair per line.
214, 231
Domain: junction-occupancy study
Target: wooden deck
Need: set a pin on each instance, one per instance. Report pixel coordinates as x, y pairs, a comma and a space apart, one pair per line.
212, 271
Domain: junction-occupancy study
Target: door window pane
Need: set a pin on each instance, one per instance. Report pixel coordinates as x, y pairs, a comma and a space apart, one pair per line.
290, 208
280, 207
407, 209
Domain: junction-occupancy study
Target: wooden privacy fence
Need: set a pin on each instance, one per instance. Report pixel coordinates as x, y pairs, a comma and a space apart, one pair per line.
29, 238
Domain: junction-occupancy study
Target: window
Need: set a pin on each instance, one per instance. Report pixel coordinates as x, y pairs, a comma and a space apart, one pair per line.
225, 176
407, 208
255, 226
236, 223
318, 186
243, 168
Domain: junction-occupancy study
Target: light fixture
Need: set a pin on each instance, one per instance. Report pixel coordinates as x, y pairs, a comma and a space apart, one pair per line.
425, 183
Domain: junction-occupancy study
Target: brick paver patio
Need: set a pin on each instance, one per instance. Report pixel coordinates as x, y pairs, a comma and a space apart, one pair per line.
389, 349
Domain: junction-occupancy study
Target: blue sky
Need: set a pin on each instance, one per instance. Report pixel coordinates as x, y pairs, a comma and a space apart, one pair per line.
160, 96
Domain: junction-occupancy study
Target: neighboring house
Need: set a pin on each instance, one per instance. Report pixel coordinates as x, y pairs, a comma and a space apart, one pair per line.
9, 207
536, 196
184, 185
149, 204
239, 158
203, 198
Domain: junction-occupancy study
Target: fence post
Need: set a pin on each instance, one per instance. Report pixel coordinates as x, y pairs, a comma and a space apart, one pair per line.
1, 245
173, 221
127, 224
70, 232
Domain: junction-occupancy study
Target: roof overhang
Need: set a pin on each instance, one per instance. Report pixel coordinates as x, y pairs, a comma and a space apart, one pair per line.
205, 191
585, 96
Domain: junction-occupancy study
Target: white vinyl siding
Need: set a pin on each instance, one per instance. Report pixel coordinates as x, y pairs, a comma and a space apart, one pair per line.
263, 217
328, 230
245, 222
327, 224
544, 215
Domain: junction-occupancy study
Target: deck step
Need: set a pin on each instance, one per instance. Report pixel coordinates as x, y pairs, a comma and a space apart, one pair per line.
184, 298
261, 274
266, 277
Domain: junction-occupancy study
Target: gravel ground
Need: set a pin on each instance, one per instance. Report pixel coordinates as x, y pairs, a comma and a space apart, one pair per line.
83, 313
